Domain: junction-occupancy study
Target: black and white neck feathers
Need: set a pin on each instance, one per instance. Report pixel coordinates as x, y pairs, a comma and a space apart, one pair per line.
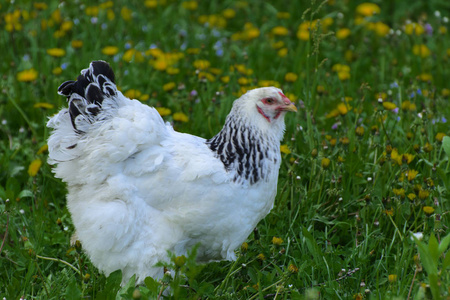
246, 150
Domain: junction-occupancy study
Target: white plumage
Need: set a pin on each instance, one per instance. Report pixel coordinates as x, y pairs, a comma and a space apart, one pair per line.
138, 189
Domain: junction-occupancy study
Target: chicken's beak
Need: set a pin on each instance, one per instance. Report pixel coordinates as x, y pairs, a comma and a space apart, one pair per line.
290, 107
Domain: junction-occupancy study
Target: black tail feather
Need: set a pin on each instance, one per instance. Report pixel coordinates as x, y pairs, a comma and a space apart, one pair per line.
87, 93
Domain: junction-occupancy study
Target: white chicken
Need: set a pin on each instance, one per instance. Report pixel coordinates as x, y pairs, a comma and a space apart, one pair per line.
137, 188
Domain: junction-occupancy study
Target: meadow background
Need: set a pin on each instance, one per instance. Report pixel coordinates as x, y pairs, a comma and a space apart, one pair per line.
366, 158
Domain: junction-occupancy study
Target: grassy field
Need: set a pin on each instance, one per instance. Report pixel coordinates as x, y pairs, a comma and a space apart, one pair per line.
366, 158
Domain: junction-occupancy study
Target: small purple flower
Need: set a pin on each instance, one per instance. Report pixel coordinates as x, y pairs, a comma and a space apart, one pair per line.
94, 20
428, 29
419, 92
335, 126
444, 120
219, 52
395, 110
394, 85
412, 95
193, 93
127, 46
64, 66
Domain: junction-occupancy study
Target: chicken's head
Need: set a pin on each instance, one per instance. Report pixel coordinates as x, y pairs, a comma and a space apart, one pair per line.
264, 107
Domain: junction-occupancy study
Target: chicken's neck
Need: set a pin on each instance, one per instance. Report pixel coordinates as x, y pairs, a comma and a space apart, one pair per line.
242, 148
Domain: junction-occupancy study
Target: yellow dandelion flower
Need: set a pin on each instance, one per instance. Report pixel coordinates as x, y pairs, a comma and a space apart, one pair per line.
243, 81
159, 64
291, 97
251, 33
367, 9
428, 210
332, 114
27, 75
358, 296
206, 75
359, 130
414, 28
76, 44
445, 92
110, 50
128, 55
244, 247
392, 278
201, 64
34, 167
163, 111
389, 105
412, 174
399, 192
172, 71
43, 105
126, 13
303, 34
411, 196
92, 11
40, 5
343, 75
151, 3
57, 71
343, 108
229, 13
280, 30
380, 29
278, 44
421, 50
66, 26
343, 33
395, 156
408, 157
291, 77
107, 4
132, 94
428, 147
56, 52
261, 256
282, 52
181, 117
389, 212
277, 241
169, 86
225, 79
283, 15
43, 149
190, 5
285, 149
325, 163
293, 269
425, 77
144, 97
344, 140
423, 194
440, 136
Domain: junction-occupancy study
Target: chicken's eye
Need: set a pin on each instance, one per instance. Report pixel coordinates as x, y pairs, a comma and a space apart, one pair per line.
269, 100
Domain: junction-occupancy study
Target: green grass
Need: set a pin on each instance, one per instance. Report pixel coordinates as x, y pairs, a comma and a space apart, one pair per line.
348, 199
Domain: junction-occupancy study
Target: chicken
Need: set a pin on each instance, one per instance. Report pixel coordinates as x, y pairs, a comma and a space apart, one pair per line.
138, 189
